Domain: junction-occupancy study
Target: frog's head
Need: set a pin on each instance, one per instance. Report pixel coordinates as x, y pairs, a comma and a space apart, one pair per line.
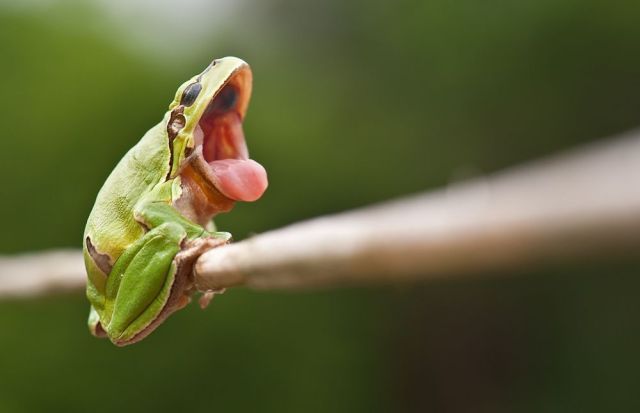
207, 143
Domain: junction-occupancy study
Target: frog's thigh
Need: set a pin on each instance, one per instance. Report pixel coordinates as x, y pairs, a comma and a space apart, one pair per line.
146, 277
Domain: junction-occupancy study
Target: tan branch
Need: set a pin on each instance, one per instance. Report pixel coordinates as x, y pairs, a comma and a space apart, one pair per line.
34, 274
567, 207
577, 205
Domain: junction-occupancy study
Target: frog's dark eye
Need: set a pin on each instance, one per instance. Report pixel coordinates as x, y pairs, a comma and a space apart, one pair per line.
190, 94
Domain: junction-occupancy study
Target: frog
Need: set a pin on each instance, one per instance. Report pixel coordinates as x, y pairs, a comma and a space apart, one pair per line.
152, 218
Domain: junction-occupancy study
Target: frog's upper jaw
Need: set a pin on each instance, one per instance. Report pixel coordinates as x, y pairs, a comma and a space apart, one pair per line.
218, 171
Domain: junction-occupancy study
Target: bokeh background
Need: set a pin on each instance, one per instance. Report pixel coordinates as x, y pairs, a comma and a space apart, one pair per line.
354, 102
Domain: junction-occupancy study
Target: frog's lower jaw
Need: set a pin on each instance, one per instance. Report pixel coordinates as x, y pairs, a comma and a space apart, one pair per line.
220, 136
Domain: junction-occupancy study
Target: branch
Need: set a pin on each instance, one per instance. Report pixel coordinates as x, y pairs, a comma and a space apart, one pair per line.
35, 274
569, 207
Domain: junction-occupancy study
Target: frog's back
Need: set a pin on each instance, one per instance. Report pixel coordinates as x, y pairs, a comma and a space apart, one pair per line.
111, 226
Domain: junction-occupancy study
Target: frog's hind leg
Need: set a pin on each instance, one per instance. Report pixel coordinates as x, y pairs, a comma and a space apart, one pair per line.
183, 286
151, 280
140, 280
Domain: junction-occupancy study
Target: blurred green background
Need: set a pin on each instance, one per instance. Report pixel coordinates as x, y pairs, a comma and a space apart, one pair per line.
354, 102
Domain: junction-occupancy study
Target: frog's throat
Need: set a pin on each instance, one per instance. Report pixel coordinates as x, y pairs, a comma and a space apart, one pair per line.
200, 200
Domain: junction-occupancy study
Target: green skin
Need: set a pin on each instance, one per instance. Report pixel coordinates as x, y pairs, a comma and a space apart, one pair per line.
139, 247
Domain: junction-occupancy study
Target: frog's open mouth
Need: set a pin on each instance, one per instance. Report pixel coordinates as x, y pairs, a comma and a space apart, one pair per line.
219, 172
219, 132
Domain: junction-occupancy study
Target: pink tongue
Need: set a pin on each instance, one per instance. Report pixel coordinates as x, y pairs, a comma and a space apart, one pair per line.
239, 179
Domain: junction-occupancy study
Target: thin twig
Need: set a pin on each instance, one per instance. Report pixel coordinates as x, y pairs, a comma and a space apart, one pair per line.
567, 207
580, 204
41, 273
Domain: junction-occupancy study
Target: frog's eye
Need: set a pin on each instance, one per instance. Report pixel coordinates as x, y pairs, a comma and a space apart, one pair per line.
190, 94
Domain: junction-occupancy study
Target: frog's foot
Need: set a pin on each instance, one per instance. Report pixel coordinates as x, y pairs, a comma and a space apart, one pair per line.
185, 260
207, 296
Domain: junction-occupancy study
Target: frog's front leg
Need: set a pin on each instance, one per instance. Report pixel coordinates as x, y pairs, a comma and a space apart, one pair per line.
154, 213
